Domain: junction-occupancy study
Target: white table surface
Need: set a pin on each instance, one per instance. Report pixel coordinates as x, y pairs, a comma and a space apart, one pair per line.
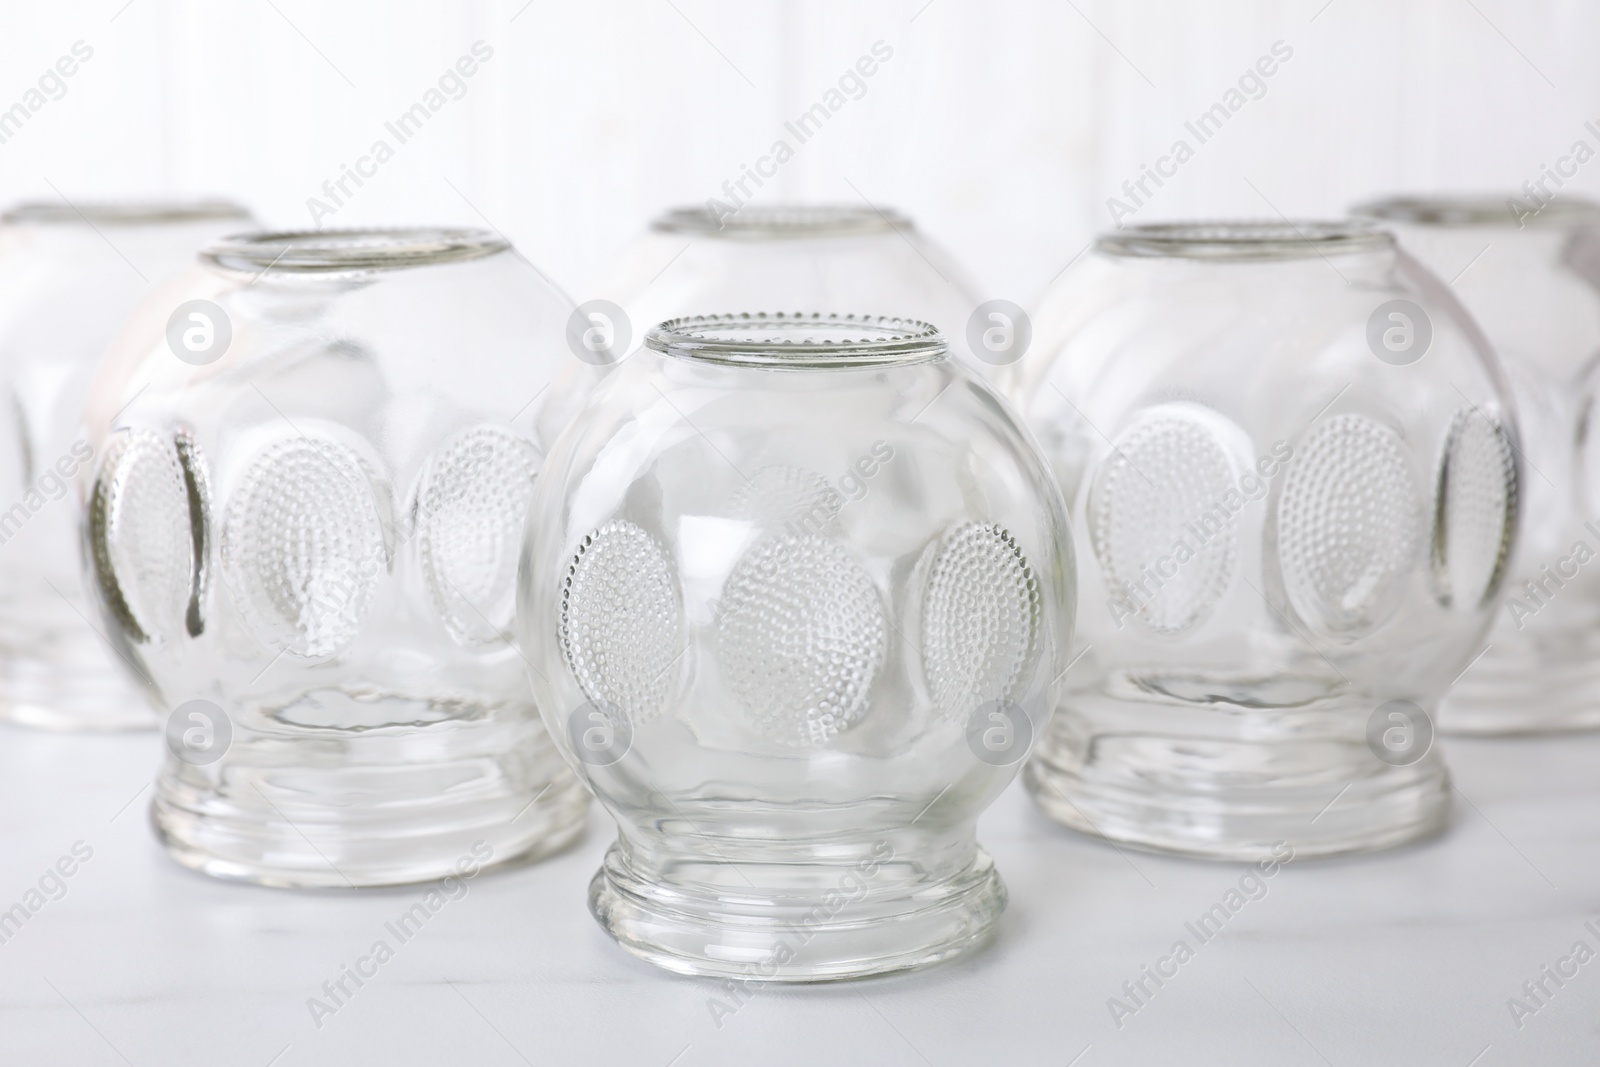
1403, 958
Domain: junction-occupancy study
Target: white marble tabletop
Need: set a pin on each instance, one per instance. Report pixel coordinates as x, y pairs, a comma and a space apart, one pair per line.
1409, 958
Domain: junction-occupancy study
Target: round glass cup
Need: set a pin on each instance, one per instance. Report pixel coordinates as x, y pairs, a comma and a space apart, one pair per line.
302, 532
795, 589
1530, 276
1290, 457
784, 257
70, 274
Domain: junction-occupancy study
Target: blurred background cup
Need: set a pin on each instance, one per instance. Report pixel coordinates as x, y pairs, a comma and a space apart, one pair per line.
793, 258
303, 530
1292, 464
795, 590
1529, 272
70, 274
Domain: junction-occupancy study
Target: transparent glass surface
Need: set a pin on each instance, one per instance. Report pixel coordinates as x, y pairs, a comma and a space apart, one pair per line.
1533, 284
1289, 539
795, 590
69, 276
305, 544
815, 258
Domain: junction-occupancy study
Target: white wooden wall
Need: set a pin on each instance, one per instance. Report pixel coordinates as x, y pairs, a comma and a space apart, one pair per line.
1002, 126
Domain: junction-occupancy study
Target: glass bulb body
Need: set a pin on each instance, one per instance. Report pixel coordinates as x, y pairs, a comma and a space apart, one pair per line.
69, 278
795, 590
305, 542
1533, 285
1293, 476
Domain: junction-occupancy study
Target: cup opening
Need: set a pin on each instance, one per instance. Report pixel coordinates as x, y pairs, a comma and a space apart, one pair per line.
348, 252
1245, 240
800, 341
122, 213
1482, 210
758, 221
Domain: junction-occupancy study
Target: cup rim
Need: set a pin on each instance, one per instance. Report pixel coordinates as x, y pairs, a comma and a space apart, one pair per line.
1479, 209
343, 252
817, 341
121, 212
1246, 239
782, 221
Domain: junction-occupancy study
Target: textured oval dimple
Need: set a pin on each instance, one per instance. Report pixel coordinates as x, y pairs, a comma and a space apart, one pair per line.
470, 511
800, 638
1348, 525
783, 495
1474, 511
980, 619
140, 529
197, 486
303, 546
1168, 481
622, 620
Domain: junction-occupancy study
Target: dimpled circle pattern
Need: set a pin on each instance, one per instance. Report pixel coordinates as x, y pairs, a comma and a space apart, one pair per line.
141, 533
800, 638
980, 620
1475, 511
621, 622
1165, 483
470, 512
1347, 525
303, 546
780, 495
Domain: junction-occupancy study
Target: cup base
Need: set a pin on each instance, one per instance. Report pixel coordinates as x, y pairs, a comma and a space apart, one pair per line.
830, 928
58, 673
1537, 685
1236, 800
71, 697
371, 810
